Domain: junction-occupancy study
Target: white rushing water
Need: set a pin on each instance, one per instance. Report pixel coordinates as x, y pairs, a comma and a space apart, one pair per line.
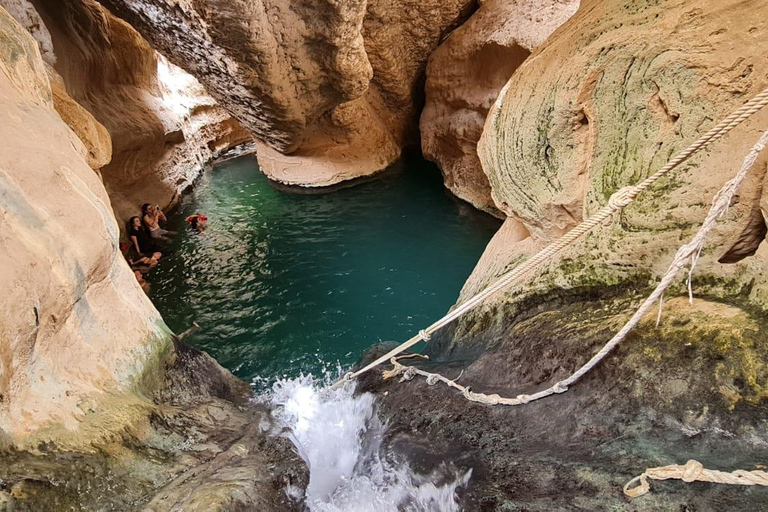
339, 437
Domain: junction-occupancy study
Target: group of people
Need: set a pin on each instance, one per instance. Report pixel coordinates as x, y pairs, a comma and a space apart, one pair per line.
147, 239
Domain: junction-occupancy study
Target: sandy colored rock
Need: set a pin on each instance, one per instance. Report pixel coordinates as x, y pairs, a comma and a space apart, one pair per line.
276, 66
161, 140
643, 80
24, 12
321, 86
355, 142
77, 332
641, 84
464, 77
91, 133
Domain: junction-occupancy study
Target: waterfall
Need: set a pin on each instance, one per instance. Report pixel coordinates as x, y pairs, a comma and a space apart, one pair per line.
339, 436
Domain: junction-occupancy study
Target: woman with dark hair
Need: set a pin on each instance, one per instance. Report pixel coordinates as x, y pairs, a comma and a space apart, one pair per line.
152, 215
141, 245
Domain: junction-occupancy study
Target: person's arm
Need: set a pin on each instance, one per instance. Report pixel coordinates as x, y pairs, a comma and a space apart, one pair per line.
161, 215
135, 242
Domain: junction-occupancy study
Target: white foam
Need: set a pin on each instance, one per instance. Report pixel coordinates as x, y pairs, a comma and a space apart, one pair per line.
339, 435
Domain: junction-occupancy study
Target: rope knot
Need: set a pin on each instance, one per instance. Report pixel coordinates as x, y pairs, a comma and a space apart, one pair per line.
524, 399
432, 379
408, 374
560, 387
622, 197
692, 470
348, 377
424, 335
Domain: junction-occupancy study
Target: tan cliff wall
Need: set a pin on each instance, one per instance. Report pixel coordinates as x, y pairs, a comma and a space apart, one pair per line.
464, 77
331, 89
77, 333
642, 82
609, 98
106, 87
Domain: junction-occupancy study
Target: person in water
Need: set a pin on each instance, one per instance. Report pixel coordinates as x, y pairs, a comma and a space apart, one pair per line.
142, 282
141, 244
197, 221
152, 215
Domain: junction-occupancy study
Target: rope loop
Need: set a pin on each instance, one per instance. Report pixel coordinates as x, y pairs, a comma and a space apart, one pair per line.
424, 335
637, 486
348, 377
622, 197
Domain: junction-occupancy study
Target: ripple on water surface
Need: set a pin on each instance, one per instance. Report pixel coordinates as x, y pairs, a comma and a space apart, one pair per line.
282, 282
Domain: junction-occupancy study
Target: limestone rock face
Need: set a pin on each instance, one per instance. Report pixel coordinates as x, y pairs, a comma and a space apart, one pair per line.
77, 333
464, 77
25, 13
609, 98
92, 133
640, 84
107, 74
329, 88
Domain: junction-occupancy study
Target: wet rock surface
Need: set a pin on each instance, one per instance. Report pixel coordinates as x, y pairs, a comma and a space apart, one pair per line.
203, 447
681, 391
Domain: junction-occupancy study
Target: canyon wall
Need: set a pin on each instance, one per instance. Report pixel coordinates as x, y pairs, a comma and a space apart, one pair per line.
609, 98
148, 137
465, 75
642, 83
101, 408
77, 333
331, 89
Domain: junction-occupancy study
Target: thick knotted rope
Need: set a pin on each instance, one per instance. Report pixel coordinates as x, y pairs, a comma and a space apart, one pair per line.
618, 200
686, 256
693, 471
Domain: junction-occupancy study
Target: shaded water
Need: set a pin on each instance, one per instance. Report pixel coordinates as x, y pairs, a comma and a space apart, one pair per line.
285, 283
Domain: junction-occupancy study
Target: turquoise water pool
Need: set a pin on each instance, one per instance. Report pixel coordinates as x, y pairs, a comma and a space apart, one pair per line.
284, 283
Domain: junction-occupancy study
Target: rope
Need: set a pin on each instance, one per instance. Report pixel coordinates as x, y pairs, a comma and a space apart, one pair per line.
618, 200
687, 253
691, 472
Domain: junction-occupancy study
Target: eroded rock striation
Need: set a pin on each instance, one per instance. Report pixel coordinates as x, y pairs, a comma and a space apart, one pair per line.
642, 81
465, 75
331, 89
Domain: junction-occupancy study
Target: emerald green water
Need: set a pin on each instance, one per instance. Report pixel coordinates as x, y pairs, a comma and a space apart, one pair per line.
285, 283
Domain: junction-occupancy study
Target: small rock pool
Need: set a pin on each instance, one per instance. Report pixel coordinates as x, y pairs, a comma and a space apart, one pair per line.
284, 283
